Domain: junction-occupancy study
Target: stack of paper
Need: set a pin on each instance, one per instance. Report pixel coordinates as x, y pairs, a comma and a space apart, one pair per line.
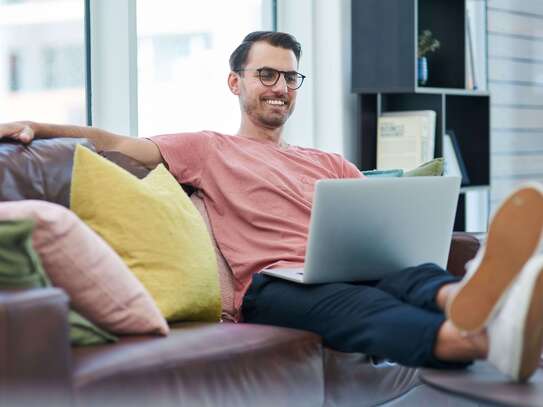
405, 139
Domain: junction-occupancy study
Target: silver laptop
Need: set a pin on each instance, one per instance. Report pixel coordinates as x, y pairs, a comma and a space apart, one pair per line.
362, 229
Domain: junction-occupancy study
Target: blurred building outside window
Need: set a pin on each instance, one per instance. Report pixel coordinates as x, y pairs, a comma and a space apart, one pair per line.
42, 61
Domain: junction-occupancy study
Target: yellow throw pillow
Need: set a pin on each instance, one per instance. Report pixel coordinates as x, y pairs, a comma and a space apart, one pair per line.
155, 228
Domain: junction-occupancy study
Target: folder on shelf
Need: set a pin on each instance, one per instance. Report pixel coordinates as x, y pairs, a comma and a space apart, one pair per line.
454, 163
405, 139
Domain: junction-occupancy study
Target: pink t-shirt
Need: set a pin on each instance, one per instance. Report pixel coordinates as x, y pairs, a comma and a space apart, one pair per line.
258, 196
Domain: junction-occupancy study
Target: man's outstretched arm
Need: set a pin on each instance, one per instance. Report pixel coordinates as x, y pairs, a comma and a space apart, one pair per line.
143, 150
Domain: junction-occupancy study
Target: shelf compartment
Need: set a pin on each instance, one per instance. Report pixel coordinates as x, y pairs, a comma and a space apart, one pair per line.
445, 19
384, 44
469, 118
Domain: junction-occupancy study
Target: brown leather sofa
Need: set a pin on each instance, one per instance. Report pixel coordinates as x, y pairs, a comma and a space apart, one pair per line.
198, 364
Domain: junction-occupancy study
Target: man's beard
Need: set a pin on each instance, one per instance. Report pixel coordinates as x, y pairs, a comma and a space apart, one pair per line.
270, 121
273, 121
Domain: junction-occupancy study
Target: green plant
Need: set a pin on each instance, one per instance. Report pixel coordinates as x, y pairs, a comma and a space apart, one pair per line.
427, 43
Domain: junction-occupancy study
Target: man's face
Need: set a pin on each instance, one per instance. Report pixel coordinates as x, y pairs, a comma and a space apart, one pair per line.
267, 106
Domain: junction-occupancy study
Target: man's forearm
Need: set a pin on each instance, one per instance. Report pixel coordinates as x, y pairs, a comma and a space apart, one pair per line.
101, 139
142, 150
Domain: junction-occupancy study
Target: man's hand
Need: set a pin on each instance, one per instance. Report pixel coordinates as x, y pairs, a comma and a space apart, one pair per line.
20, 131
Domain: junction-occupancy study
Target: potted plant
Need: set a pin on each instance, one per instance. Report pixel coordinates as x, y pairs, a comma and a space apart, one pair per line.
427, 44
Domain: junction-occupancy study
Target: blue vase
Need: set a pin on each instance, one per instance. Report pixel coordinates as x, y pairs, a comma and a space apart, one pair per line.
422, 71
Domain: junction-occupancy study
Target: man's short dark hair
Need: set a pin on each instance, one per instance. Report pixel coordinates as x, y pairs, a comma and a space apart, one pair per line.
238, 59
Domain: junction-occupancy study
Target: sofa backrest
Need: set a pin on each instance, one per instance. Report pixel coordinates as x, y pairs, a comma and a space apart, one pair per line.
40, 170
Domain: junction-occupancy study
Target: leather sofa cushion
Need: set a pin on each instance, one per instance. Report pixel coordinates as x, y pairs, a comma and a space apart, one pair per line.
41, 170
354, 379
33, 342
242, 364
464, 247
128, 163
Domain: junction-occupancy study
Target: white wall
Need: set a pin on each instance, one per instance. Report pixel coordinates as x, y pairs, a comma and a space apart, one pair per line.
295, 17
515, 49
325, 115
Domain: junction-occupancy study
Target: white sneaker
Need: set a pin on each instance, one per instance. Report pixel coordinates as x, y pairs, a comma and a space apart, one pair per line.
516, 332
515, 234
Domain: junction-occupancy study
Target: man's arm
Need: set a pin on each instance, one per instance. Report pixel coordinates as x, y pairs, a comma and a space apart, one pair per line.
145, 151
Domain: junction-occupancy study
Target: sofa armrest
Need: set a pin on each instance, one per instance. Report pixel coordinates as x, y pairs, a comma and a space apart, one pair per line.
35, 352
464, 247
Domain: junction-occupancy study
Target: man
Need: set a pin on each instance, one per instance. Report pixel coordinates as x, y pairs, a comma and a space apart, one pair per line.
258, 192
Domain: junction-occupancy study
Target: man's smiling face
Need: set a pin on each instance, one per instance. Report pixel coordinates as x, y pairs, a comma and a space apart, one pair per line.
267, 106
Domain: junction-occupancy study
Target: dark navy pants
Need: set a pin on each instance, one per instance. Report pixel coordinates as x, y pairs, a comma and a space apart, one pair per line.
395, 318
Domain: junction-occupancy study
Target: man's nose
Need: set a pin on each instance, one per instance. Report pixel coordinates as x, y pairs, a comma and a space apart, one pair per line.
281, 84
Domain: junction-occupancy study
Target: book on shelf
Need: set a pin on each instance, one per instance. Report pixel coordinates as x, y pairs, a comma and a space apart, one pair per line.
477, 203
476, 45
454, 163
405, 139
471, 71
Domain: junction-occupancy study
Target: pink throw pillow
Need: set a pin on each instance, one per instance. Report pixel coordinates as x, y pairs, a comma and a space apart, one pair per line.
100, 285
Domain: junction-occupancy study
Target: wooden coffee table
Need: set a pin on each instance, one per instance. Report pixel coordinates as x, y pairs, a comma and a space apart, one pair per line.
483, 383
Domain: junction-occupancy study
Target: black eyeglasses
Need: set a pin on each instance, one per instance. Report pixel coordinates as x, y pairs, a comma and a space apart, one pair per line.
270, 76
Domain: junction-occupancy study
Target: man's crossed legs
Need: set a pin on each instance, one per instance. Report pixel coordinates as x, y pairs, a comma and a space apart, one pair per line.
402, 317
397, 318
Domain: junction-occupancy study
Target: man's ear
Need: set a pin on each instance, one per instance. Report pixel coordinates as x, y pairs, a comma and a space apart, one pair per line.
233, 83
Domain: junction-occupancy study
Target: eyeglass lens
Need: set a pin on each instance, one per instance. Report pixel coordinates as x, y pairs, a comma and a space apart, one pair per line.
269, 77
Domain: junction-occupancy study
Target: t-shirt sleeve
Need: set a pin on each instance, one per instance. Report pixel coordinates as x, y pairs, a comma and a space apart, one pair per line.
347, 169
186, 155
350, 170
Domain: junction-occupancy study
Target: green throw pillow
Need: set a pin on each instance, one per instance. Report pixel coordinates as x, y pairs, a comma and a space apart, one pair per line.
428, 169
20, 267
19, 263
83, 332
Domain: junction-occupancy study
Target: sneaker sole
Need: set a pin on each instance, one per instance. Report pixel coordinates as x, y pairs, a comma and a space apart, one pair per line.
513, 237
533, 333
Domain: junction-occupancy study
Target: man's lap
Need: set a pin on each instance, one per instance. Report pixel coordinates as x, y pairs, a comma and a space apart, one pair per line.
351, 317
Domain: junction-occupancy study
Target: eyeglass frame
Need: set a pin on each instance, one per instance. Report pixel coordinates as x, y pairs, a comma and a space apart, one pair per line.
259, 70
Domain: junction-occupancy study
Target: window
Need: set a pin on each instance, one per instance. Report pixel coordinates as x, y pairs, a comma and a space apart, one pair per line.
42, 61
183, 51
63, 66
